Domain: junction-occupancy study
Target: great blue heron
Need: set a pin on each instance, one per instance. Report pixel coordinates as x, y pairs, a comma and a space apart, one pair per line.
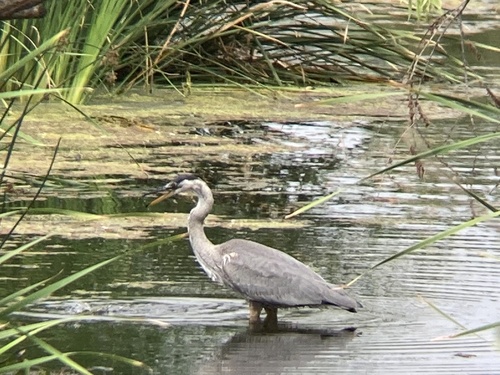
268, 278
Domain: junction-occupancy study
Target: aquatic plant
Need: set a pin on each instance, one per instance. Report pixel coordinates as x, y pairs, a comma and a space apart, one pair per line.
423, 8
113, 45
485, 108
17, 335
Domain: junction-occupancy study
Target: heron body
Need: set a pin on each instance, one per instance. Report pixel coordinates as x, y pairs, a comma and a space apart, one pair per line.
268, 278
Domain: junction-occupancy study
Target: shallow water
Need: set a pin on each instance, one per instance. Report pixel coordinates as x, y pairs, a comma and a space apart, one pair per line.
159, 307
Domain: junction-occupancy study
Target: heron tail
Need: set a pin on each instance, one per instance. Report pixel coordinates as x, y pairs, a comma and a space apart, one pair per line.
339, 297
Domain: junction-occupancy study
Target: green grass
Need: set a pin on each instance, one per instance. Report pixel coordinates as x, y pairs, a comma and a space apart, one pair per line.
113, 45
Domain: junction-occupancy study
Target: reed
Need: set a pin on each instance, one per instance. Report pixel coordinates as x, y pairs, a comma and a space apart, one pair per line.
114, 45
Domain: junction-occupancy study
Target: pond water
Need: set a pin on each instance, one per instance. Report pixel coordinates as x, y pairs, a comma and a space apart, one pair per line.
158, 306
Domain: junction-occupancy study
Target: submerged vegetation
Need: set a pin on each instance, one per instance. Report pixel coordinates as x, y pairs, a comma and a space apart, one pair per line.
271, 45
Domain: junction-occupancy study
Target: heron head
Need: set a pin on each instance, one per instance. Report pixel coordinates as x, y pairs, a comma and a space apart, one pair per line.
182, 183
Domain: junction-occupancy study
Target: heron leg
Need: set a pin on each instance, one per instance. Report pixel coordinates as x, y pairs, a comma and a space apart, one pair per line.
271, 320
255, 309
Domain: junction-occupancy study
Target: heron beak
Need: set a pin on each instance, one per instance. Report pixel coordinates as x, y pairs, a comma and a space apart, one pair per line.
162, 197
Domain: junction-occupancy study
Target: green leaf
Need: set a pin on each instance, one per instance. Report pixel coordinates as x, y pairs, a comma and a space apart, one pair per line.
313, 204
477, 198
60, 356
62, 211
32, 55
26, 364
437, 151
22, 292
23, 93
473, 108
13, 253
439, 236
48, 290
477, 329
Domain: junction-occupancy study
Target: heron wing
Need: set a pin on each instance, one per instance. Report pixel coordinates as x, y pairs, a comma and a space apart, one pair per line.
272, 277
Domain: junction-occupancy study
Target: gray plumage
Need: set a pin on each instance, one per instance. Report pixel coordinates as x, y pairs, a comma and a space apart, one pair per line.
267, 277
272, 277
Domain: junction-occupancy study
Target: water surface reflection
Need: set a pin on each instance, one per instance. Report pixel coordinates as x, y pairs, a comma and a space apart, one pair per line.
203, 328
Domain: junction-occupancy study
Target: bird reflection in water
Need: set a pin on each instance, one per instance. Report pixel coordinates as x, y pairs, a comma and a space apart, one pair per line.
288, 351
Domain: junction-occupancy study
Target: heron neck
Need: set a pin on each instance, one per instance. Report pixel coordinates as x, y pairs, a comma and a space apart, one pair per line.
197, 236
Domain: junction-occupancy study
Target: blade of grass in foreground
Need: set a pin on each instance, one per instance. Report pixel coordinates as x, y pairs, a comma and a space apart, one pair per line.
439, 236
476, 197
313, 204
31, 55
34, 328
20, 334
441, 312
61, 211
13, 253
60, 356
44, 292
16, 368
436, 151
430, 240
451, 319
39, 190
11, 297
26, 93
29, 363
422, 155
476, 330
482, 110
114, 357
176, 237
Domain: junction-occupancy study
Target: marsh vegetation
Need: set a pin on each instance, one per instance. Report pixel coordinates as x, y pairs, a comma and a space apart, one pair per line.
382, 129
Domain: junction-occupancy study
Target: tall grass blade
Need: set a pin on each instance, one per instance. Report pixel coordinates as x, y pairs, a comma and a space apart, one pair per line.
477, 198
20, 249
313, 204
35, 328
115, 357
425, 154
164, 241
24, 331
477, 330
60, 356
11, 146
32, 55
442, 313
24, 366
44, 292
28, 92
473, 108
430, 240
10, 213
448, 317
436, 151
62, 211
22, 135
21, 292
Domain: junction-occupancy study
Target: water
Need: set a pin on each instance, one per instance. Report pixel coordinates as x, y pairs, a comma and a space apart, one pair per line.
159, 307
